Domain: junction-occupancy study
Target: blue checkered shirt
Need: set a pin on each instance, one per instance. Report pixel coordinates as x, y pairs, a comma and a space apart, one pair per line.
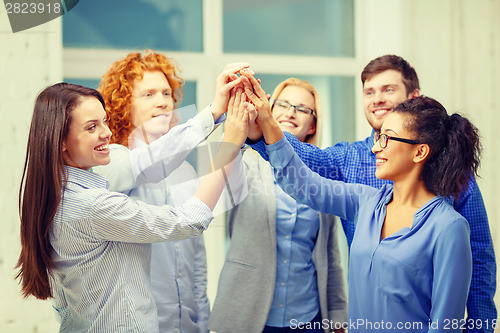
355, 163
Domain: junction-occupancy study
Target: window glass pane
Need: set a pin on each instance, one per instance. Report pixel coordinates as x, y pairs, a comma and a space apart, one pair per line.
337, 98
91, 83
135, 24
296, 27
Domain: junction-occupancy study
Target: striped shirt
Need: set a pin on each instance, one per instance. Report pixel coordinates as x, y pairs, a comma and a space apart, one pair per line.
102, 253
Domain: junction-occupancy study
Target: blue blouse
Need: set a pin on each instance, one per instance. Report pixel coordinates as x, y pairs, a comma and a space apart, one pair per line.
417, 279
355, 163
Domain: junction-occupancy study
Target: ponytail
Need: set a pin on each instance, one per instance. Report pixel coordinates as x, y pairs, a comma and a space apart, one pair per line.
461, 154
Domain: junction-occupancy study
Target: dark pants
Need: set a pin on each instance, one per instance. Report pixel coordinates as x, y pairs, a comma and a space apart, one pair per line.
314, 326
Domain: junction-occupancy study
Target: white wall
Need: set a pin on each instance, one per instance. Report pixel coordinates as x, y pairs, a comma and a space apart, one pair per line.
29, 61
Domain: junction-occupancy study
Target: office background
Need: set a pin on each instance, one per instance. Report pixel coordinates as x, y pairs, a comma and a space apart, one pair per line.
453, 44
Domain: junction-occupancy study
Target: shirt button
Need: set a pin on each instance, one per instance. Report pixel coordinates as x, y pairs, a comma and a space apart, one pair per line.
282, 283
281, 305
176, 330
287, 236
179, 274
285, 261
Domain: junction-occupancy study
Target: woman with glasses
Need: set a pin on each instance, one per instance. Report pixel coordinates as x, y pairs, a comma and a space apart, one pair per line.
410, 259
282, 268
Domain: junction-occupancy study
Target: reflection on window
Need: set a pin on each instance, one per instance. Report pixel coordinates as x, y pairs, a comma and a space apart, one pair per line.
337, 98
174, 25
295, 27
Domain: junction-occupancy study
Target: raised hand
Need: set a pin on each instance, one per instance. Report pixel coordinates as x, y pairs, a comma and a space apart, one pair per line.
259, 98
226, 81
236, 126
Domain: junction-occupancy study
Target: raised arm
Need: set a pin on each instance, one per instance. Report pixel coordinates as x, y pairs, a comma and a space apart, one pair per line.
309, 188
150, 163
329, 162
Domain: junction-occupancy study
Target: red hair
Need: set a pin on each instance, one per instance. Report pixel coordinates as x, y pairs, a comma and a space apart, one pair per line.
117, 86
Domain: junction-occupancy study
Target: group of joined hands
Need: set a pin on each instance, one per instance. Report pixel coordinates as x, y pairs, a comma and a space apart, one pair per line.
247, 104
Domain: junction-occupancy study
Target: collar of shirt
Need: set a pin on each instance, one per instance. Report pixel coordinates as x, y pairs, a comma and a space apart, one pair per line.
84, 178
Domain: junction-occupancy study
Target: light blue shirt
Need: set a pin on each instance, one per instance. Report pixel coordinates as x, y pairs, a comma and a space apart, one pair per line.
417, 279
296, 289
355, 163
101, 251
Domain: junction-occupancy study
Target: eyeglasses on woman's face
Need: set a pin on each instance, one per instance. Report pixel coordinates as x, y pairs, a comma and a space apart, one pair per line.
382, 139
282, 105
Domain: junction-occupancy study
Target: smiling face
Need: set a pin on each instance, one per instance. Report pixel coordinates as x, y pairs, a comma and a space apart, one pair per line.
299, 124
382, 93
152, 105
397, 160
86, 144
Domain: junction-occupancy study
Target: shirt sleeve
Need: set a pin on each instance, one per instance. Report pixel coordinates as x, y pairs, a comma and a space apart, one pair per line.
152, 163
330, 162
452, 263
307, 187
480, 305
116, 217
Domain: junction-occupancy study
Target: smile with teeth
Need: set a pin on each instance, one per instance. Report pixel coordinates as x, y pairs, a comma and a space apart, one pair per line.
288, 123
102, 147
381, 112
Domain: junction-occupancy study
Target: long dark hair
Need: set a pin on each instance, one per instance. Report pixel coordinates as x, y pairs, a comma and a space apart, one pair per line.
42, 182
453, 141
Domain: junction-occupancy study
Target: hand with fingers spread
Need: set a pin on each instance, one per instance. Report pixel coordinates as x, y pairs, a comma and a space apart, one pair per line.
257, 96
226, 81
270, 128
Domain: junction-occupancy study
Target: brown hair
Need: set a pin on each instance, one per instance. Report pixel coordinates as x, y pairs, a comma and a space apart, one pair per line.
315, 138
117, 86
42, 182
397, 63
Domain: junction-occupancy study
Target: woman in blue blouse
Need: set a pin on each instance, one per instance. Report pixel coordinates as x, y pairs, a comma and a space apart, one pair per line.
410, 260
84, 246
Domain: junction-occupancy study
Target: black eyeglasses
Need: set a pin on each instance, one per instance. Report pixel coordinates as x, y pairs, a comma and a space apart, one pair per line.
382, 139
284, 105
